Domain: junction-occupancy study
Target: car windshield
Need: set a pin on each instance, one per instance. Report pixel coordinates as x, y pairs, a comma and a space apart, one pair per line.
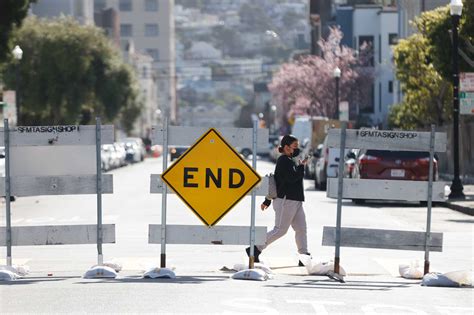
398, 154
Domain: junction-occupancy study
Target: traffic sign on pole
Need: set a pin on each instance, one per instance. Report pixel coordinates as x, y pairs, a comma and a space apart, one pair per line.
466, 103
466, 93
466, 81
211, 177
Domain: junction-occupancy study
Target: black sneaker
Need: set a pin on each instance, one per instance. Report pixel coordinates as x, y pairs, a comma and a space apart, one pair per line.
256, 253
300, 264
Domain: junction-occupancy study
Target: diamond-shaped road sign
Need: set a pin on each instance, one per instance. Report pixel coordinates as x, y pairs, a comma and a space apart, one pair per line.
211, 177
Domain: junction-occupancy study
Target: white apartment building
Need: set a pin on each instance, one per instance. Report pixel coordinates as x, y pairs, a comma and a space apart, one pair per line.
81, 10
149, 26
150, 114
409, 9
378, 26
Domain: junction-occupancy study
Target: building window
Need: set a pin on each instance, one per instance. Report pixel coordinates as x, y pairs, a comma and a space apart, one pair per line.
154, 53
151, 30
99, 5
380, 48
380, 97
126, 30
392, 38
390, 86
369, 41
151, 5
368, 108
144, 72
125, 5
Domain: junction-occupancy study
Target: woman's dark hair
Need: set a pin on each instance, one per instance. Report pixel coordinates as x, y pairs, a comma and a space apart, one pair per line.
286, 140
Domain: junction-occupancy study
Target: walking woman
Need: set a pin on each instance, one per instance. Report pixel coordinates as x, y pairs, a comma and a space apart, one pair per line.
288, 205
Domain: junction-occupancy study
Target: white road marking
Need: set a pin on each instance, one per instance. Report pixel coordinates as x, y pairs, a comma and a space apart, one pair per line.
249, 306
318, 306
376, 309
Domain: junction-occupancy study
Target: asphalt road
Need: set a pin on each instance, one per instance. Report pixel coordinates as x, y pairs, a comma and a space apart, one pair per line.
373, 285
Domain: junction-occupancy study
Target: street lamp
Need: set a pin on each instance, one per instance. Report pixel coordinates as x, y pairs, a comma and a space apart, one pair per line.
273, 122
17, 54
337, 75
456, 186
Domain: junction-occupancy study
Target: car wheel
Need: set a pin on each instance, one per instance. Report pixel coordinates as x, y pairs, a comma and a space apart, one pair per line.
323, 186
306, 173
433, 204
358, 201
316, 184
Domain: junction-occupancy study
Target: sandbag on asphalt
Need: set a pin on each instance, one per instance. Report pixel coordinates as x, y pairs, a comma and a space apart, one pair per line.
411, 271
461, 278
324, 268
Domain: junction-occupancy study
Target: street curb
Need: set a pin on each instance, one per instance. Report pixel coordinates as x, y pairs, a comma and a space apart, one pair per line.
465, 210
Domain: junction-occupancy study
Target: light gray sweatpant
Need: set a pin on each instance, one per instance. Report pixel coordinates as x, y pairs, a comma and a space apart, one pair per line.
288, 212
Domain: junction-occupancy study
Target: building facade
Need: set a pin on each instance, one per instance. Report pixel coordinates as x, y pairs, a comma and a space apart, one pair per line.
376, 26
81, 10
148, 25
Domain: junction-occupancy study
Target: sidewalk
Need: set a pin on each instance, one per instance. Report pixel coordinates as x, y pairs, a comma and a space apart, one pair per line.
465, 206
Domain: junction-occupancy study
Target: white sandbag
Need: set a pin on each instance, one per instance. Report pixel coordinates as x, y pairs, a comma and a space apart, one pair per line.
461, 277
155, 272
114, 265
266, 269
251, 274
411, 271
20, 270
434, 279
100, 272
320, 268
7, 275
263, 267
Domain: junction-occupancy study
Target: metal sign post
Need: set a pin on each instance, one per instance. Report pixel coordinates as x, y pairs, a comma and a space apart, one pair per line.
163, 195
430, 198
100, 258
254, 194
231, 180
393, 189
339, 196
8, 192
30, 170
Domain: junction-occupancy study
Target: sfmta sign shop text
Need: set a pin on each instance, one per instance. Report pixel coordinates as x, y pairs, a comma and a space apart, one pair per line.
211, 177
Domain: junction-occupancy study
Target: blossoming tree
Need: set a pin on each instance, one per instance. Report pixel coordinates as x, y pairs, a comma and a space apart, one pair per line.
307, 86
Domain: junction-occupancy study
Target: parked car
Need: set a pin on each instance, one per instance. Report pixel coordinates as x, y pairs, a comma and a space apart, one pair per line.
133, 152
106, 157
308, 152
393, 165
176, 152
350, 162
120, 153
327, 164
139, 147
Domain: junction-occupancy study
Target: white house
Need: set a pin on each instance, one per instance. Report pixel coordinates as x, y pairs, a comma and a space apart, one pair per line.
377, 26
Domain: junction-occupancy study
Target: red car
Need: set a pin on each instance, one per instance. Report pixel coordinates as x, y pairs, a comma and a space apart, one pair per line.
394, 165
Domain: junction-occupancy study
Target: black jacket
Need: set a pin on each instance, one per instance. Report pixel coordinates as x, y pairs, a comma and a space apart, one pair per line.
289, 179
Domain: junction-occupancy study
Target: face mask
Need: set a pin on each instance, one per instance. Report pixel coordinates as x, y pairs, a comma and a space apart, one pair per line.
296, 152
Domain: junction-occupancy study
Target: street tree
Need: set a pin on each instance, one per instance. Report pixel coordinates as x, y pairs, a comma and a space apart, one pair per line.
307, 87
70, 73
423, 66
427, 96
12, 13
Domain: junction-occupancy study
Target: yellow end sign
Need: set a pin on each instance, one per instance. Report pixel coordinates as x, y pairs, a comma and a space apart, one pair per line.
211, 177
